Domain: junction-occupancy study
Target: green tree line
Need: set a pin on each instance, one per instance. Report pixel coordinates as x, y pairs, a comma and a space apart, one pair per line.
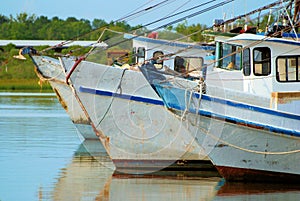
32, 27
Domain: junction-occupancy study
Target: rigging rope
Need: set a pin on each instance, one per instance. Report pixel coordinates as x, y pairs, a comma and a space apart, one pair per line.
248, 46
176, 21
142, 10
225, 22
162, 26
184, 11
98, 28
185, 3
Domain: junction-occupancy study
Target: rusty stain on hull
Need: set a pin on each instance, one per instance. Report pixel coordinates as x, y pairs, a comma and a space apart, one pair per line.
60, 99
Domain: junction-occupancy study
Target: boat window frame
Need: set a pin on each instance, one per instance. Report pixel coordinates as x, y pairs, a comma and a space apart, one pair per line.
231, 58
256, 63
185, 68
246, 63
157, 58
133, 55
141, 53
286, 70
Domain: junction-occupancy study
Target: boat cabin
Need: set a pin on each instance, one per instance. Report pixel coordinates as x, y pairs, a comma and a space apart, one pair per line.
178, 56
258, 65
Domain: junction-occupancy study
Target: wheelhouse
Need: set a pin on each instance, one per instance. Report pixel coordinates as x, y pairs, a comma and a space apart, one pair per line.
178, 56
260, 62
258, 65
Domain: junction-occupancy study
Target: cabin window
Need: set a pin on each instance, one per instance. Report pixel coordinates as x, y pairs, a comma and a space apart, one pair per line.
262, 61
179, 64
188, 64
246, 62
231, 55
133, 55
158, 59
194, 63
288, 69
140, 54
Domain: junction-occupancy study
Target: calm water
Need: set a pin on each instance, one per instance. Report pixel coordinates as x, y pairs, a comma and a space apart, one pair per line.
42, 157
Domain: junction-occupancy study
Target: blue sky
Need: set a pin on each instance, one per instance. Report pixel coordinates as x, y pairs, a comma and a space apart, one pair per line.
111, 10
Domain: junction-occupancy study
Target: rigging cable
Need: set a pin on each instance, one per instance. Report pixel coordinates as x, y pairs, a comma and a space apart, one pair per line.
148, 9
98, 28
176, 21
173, 15
136, 10
170, 23
174, 11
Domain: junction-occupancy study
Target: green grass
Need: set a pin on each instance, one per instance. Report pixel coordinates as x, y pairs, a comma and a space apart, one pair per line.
24, 85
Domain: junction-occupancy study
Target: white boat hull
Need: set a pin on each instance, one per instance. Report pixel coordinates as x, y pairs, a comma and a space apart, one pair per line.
51, 70
244, 142
140, 132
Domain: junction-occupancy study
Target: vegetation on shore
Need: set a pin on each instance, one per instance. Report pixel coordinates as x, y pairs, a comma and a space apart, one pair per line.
19, 74
24, 85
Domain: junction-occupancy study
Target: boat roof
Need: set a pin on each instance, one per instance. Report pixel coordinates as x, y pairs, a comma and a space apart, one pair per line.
258, 37
207, 47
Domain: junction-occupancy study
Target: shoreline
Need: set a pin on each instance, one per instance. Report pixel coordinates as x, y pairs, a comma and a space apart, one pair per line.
21, 85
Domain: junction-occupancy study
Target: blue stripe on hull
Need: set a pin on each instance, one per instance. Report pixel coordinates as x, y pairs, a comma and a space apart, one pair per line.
249, 107
240, 122
207, 113
121, 96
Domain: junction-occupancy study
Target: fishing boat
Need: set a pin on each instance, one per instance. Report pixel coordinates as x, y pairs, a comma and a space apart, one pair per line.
245, 111
119, 107
140, 134
50, 69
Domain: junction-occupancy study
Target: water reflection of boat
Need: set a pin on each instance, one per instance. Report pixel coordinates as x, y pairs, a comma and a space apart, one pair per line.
89, 176
95, 149
85, 176
257, 191
163, 188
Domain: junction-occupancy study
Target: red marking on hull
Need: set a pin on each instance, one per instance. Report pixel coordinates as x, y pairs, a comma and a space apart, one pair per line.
241, 174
